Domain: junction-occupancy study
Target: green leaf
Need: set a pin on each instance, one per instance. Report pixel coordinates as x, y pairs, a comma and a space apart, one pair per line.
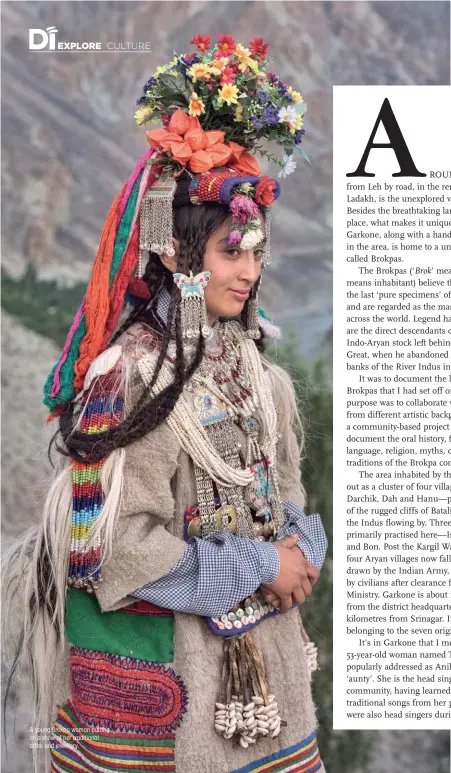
301, 108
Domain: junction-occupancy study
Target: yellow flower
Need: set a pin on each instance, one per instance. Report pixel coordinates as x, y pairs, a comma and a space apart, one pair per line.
242, 52
160, 70
199, 71
292, 131
239, 113
297, 98
217, 65
174, 61
143, 115
228, 93
299, 122
196, 106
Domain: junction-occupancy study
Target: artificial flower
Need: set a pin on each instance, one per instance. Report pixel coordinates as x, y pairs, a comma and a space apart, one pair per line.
143, 115
288, 115
258, 48
258, 123
270, 115
244, 57
242, 160
234, 237
189, 59
199, 71
289, 165
160, 70
264, 191
186, 142
228, 93
226, 45
239, 113
227, 75
196, 106
202, 42
243, 209
297, 98
252, 237
218, 65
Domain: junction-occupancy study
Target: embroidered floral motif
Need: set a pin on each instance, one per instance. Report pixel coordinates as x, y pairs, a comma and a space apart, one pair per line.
125, 694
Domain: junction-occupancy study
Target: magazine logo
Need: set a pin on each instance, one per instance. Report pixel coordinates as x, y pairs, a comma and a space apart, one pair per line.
45, 40
38, 39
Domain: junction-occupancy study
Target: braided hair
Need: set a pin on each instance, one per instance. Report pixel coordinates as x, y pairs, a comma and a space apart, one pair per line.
192, 225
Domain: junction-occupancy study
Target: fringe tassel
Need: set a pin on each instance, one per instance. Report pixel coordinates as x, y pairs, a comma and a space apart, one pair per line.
246, 708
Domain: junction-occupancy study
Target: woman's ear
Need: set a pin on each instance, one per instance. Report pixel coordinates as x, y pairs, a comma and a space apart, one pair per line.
170, 261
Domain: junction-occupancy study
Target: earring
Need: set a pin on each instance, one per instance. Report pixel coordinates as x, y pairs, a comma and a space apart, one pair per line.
156, 226
194, 319
251, 319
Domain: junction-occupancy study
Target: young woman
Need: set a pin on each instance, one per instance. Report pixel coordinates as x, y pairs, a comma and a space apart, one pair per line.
165, 577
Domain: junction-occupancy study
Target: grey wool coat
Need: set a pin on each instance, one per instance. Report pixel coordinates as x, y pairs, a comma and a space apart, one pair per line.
148, 539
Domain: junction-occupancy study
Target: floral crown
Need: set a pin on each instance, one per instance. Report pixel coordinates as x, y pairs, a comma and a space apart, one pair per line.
216, 106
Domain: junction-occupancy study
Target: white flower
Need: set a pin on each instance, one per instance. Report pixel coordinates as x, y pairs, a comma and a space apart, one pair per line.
251, 238
289, 165
288, 115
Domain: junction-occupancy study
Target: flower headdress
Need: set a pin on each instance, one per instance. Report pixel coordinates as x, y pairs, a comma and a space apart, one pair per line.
216, 105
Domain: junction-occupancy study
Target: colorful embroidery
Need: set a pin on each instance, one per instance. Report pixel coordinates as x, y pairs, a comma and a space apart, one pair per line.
147, 634
75, 749
303, 757
125, 694
243, 617
103, 411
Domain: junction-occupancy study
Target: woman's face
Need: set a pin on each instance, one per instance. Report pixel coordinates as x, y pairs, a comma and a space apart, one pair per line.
233, 273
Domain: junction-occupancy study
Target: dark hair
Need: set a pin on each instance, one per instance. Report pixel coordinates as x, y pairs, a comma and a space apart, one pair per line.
192, 225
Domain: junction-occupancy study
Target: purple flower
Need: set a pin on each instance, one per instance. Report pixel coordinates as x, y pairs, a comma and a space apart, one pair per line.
262, 96
140, 100
191, 59
234, 237
270, 115
298, 136
258, 123
243, 209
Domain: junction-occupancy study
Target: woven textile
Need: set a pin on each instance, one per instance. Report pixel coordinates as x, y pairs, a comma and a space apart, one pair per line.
76, 749
103, 411
125, 694
146, 634
303, 757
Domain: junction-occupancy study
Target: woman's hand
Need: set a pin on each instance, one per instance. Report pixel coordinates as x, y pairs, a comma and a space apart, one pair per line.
296, 576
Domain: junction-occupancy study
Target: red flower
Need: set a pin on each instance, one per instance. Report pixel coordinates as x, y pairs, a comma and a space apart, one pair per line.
226, 45
202, 42
227, 75
264, 192
258, 48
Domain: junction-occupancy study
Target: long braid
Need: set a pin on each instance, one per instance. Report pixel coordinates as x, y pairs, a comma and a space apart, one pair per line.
148, 414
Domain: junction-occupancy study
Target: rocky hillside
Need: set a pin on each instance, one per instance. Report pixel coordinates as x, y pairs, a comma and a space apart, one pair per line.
69, 140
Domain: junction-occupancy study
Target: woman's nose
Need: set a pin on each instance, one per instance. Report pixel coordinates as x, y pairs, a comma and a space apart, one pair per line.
250, 268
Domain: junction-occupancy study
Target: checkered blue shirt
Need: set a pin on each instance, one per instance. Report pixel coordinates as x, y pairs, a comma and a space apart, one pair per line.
222, 569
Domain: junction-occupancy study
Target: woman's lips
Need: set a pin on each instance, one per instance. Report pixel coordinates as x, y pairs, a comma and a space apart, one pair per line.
242, 295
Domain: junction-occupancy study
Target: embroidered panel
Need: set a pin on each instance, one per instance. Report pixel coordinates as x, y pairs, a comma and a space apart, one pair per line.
125, 694
303, 757
143, 631
76, 749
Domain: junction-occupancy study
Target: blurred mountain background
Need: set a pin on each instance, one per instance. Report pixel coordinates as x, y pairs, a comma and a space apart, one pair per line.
69, 142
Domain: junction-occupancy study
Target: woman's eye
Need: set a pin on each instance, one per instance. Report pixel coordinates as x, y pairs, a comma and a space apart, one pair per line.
258, 255
233, 253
